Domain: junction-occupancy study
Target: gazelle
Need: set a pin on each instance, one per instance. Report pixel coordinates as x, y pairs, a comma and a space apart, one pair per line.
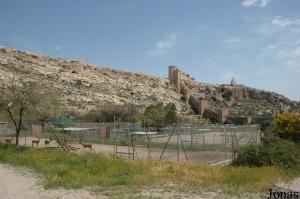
36, 141
9, 141
47, 142
85, 145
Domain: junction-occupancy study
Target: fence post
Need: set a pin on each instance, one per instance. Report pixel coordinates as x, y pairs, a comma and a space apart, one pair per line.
115, 141
233, 144
177, 139
225, 137
257, 139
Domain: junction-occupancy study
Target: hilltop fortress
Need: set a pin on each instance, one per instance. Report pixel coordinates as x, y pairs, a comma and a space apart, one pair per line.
187, 86
84, 87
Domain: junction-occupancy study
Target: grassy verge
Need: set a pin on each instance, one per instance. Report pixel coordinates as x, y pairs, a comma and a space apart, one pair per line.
74, 170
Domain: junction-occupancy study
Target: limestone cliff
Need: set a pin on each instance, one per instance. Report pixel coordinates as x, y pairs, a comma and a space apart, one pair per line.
85, 86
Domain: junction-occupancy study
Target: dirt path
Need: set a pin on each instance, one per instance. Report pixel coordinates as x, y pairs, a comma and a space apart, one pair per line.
291, 186
17, 184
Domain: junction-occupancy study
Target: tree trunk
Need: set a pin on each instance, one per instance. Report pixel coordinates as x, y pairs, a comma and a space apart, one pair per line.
17, 137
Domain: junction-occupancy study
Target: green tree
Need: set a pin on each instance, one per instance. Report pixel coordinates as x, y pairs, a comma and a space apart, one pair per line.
48, 106
27, 99
17, 100
158, 116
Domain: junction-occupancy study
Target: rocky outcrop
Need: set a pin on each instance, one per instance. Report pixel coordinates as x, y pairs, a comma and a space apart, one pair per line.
86, 86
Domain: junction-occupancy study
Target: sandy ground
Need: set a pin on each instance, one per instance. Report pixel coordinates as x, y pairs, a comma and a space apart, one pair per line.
204, 157
293, 186
18, 184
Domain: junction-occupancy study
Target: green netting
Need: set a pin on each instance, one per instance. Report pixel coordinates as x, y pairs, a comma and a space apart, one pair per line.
63, 121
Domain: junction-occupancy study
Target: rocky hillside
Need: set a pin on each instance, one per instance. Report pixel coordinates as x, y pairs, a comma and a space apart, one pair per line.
85, 86
245, 101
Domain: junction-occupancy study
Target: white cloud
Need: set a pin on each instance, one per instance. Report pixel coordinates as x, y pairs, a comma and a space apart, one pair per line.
249, 2
291, 57
232, 40
163, 46
279, 23
167, 43
270, 47
258, 3
58, 47
287, 54
286, 47
284, 22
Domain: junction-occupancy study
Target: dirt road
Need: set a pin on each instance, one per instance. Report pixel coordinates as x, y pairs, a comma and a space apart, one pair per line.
18, 184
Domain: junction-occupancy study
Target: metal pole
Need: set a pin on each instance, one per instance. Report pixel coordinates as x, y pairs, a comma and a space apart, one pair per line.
167, 142
183, 148
115, 137
257, 139
225, 136
128, 140
177, 139
233, 144
133, 144
192, 137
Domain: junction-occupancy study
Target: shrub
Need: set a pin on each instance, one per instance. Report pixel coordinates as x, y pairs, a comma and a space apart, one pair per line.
158, 116
271, 152
288, 126
107, 113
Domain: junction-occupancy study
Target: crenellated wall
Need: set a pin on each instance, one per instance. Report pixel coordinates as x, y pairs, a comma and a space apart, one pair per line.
181, 81
223, 114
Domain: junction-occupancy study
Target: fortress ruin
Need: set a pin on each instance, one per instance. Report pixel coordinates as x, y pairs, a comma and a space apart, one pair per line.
184, 84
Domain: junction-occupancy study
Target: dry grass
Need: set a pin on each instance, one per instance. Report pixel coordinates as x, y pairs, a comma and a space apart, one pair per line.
71, 170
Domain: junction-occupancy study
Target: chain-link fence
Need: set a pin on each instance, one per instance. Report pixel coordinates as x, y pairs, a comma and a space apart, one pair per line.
178, 142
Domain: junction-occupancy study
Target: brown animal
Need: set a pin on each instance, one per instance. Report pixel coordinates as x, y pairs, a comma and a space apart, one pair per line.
9, 141
85, 145
36, 141
47, 142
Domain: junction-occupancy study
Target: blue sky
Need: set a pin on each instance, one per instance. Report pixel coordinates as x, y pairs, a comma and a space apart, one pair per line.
255, 41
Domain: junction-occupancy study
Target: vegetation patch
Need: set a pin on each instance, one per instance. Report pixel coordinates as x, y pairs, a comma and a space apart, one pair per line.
75, 170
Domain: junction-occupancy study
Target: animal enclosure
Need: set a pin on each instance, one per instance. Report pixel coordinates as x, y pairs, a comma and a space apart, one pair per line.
178, 143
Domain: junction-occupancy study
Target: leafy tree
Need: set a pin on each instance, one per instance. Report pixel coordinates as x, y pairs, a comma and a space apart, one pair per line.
159, 116
22, 99
16, 100
279, 145
48, 106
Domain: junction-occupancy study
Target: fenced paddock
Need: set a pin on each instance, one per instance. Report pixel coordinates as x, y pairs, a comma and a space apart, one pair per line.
177, 143
209, 144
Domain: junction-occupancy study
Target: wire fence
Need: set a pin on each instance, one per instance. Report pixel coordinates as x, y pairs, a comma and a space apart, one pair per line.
178, 143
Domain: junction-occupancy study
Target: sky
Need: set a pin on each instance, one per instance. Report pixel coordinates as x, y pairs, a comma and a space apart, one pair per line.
257, 42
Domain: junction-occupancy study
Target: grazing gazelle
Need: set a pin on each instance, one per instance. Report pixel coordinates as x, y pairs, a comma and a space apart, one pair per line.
47, 142
36, 141
9, 141
85, 145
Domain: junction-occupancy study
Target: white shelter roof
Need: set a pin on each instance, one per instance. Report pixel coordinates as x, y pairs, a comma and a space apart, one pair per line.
73, 129
143, 133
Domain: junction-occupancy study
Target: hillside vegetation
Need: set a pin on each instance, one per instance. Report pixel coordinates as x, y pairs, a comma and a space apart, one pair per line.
84, 87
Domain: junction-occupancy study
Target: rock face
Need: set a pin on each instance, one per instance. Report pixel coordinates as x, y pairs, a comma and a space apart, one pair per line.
85, 86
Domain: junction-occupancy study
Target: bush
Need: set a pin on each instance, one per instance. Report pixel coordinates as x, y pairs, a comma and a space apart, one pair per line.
158, 116
288, 126
271, 152
122, 113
